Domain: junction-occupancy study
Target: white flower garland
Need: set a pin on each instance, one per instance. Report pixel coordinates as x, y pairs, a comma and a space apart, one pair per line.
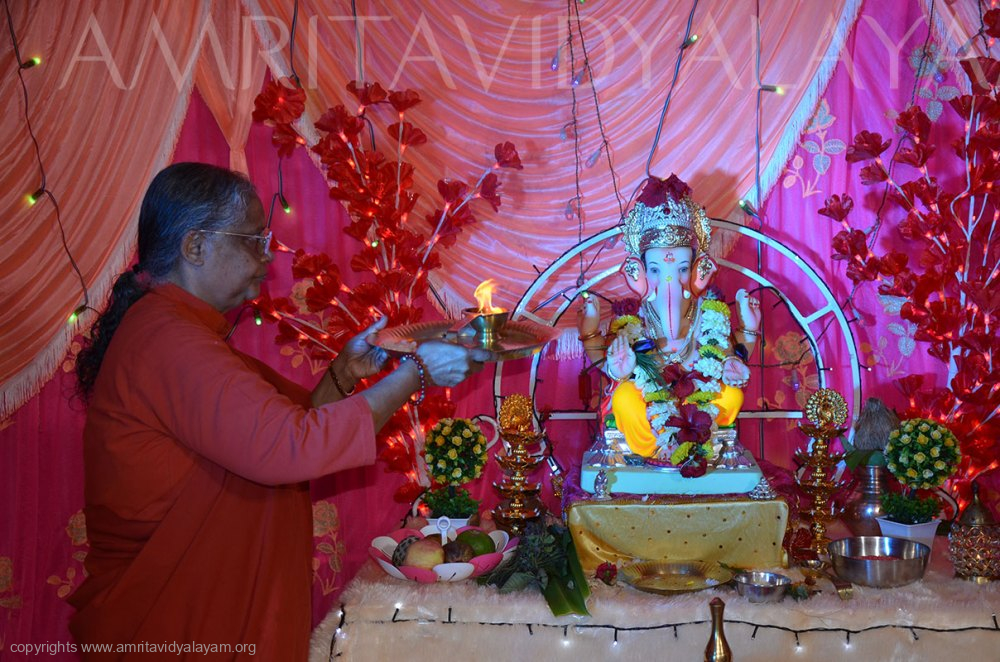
661, 405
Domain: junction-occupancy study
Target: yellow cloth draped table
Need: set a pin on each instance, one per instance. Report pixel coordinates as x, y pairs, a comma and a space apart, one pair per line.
740, 532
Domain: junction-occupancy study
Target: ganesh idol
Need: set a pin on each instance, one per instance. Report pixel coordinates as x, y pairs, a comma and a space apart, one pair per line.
676, 369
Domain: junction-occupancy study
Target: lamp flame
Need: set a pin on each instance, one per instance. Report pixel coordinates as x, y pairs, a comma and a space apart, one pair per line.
484, 297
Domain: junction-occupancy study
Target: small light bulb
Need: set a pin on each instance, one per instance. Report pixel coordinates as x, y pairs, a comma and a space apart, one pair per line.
31, 62
593, 157
75, 315
577, 78
258, 320
554, 65
284, 204
374, 243
689, 41
585, 295
36, 196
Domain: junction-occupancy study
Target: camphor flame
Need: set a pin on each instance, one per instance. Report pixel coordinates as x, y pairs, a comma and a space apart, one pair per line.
484, 297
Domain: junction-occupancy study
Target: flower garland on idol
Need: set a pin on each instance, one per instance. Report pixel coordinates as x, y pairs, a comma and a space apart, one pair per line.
679, 402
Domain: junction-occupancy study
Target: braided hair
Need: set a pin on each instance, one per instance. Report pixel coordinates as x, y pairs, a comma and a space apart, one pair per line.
181, 198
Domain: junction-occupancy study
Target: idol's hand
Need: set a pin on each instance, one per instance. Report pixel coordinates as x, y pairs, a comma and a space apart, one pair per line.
621, 359
749, 307
361, 358
735, 372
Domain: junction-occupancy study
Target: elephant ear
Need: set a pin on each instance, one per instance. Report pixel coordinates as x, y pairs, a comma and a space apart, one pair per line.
634, 273
702, 274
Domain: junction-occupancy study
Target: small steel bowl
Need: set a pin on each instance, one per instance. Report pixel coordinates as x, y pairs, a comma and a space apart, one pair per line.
879, 561
757, 586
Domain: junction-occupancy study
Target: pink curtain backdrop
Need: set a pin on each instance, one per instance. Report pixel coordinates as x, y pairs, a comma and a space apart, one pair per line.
486, 74
106, 109
229, 78
42, 535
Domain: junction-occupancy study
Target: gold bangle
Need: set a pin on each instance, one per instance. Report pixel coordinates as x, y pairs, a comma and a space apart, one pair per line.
748, 332
336, 383
592, 334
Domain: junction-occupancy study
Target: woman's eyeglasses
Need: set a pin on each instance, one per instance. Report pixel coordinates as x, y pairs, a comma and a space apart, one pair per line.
262, 241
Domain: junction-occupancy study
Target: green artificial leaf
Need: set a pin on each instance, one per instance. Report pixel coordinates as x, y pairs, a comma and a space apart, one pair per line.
517, 582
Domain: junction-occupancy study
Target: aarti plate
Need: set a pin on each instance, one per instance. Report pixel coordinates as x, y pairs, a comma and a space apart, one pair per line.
516, 339
666, 578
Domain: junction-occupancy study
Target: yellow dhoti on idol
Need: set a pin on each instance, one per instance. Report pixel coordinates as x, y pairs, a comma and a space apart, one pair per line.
629, 408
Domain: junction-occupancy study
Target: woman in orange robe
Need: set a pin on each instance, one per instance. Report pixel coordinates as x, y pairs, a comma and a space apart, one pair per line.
197, 456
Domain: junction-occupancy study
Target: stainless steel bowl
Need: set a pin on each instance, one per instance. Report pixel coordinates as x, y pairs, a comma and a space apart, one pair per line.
757, 586
878, 561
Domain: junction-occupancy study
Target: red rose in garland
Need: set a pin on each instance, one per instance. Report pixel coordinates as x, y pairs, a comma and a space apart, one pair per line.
949, 276
396, 250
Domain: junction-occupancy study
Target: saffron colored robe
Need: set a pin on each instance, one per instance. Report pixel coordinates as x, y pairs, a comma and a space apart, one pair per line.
197, 506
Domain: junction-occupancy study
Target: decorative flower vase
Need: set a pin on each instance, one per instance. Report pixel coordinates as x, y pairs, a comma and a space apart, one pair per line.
922, 533
861, 513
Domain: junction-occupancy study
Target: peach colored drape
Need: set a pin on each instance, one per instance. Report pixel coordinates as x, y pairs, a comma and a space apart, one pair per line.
229, 75
485, 74
105, 105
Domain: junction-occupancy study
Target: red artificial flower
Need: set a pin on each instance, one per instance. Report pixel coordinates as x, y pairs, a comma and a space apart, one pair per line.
607, 572
506, 156
910, 384
892, 263
915, 156
452, 190
873, 173
337, 120
692, 424
409, 136
915, 122
397, 456
850, 244
489, 190
368, 94
680, 380
279, 104
991, 22
922, 190
323, 291
867, 145
408, 492
403, 100
307, 265
983, 73
695, 466
837, 207
627, 306
902, 285
967, 105
286, 139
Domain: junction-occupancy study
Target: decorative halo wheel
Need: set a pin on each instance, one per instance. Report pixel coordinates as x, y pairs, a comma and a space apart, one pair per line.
812, 320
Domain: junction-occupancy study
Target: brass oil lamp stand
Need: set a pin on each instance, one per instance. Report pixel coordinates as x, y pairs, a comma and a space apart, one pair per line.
827, 412
520, 502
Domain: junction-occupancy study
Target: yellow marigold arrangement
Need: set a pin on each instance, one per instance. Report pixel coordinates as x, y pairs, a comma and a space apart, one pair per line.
455, 451
922, 453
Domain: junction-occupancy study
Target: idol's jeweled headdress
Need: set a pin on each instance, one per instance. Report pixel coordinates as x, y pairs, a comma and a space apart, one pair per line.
664, 216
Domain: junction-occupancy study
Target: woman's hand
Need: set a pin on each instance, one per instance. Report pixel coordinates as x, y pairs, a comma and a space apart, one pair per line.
447, 364
621, 359
361, 359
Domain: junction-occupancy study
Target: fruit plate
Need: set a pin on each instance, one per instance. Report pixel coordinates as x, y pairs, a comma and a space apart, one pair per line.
516, 339
383, 547
666, 578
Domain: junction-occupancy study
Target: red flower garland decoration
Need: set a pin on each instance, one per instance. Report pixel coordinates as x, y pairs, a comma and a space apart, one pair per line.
949, 276
395, 253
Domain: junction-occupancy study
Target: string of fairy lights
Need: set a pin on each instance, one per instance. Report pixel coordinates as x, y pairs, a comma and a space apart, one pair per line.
617, 631
44, 190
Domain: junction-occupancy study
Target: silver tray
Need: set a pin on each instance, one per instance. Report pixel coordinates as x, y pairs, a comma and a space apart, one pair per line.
516, 339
